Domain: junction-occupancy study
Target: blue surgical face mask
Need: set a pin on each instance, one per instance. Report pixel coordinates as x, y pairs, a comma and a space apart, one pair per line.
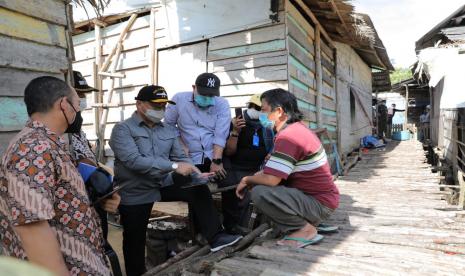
204, 101
264, 121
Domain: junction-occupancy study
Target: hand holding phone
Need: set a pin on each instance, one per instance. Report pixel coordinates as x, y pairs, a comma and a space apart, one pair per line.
238, 112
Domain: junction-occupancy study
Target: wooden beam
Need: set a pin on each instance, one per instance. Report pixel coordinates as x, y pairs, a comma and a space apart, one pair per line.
112, 75
69, 42
153, 52
335, 8
318, 77
98, 96
121, 39
315, 21
461, 204
338, 103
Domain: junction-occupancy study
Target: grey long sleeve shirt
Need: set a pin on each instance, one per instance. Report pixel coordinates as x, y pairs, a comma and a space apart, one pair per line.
143, 158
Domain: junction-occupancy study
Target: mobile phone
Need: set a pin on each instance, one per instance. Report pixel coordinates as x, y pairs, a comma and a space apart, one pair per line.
238, 112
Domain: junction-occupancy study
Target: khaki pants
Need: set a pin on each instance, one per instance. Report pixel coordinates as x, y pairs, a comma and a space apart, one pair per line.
289, 208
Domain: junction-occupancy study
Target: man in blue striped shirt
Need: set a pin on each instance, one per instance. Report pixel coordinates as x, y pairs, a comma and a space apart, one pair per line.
203, 119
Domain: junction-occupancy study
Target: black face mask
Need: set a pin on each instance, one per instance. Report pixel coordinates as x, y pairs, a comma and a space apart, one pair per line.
75, 126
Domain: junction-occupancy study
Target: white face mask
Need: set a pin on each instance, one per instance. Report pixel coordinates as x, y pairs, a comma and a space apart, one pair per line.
253, 113
82, 103
155, 115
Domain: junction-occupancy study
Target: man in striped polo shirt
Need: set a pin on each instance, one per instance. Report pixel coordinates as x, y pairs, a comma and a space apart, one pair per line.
295, 188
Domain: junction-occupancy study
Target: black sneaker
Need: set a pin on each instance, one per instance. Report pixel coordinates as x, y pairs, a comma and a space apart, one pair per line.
238, 230
223, 240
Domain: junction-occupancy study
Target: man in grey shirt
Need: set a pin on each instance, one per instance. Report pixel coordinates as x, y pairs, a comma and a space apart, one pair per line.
152, 165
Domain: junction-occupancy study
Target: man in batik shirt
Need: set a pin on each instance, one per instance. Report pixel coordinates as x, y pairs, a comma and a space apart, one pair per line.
45, 213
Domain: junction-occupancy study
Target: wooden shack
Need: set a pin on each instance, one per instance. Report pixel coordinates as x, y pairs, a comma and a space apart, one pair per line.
318, 50
34, 41
441, 61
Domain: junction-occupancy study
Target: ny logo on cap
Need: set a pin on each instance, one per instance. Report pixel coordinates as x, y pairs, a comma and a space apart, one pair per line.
211, 82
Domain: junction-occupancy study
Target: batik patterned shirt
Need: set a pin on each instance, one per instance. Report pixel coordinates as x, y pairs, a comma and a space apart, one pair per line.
39, 182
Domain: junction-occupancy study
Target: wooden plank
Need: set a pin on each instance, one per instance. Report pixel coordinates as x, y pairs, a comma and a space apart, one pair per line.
329, 104
328, 91
301, 54
115, 115
246, 62
327, 78
112, 30
254, 36
260, 74
13, 81
318, 75
32, 56
298, 19
305, 77
25, 27
300, 91
48, 10
237, 101
327, 64
310, 14
309, 116
138, 76
13, 113
275, 45
251, 88
128, 60
327, 50
301, 38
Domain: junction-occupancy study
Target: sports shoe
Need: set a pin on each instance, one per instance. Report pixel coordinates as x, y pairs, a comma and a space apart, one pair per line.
223, 240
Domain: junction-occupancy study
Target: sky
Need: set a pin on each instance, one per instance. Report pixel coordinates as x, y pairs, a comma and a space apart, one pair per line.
400, 23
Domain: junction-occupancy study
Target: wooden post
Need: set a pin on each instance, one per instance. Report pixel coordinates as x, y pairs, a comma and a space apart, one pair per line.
461, 204
153, 52
338, 104
69, 42
319, 77
96, 98
406, 107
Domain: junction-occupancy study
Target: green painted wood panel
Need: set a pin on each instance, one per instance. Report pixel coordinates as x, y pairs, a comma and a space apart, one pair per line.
13, 113
275, 45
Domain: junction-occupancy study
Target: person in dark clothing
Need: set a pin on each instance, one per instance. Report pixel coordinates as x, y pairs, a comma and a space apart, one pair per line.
391, 112
382, 120
246, 148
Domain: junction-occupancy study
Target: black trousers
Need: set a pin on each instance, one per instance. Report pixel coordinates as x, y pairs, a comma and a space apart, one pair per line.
134, 219
235, 211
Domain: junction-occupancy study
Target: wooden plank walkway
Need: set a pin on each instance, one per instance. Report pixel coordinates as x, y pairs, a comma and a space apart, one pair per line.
392, 221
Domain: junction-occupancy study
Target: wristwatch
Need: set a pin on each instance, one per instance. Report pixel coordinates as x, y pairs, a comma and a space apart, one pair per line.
234, 134
174, 166
217, 161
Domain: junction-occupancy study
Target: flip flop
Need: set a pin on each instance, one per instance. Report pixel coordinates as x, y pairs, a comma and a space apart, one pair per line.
326, 228
305, 242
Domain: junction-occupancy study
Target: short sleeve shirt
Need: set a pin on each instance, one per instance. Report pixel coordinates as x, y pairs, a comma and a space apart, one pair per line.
39, 182
300, 159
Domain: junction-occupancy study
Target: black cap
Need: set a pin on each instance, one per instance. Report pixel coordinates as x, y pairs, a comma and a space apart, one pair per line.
208, 84
154, 94
80, 83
